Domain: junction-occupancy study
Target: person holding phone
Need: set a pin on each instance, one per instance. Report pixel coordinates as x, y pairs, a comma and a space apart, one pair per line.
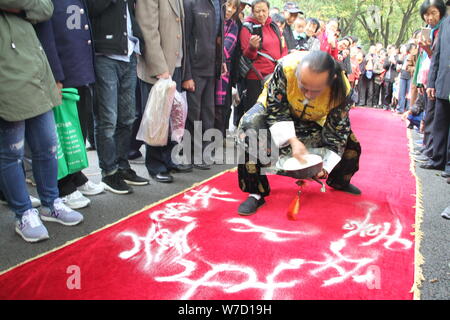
260, 35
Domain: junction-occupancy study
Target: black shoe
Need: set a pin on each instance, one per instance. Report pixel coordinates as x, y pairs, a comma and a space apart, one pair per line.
350, 189
116, 184
164, 177
130, 177
249, 206
430, 166
202, 166
181, 168
132, 155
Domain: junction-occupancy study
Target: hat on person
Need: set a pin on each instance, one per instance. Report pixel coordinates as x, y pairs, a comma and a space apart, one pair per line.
292, 7
247, 2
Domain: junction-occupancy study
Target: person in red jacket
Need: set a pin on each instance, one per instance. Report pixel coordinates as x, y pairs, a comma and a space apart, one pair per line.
270, 45
328, 39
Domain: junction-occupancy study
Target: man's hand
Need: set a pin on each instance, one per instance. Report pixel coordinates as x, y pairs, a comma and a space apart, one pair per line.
188, 85
60, 86
255, 41
165, 75
431, 93
224, 69
323, 174
298, 149
421, 90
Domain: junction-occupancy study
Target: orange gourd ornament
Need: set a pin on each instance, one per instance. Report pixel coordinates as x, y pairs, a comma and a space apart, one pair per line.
294, 207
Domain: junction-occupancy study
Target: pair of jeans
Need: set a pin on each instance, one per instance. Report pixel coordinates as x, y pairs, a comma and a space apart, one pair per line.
40, 134
403, 103
114, 112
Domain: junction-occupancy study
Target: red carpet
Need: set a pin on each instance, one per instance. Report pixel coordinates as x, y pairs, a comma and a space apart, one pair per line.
195, 246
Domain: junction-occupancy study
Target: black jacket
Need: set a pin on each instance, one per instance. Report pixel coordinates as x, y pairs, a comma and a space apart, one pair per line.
289, 37
109, 24
204, 47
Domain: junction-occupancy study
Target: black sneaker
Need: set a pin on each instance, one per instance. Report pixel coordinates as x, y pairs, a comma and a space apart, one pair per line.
181, 168
116, 184
130, 177
249, 206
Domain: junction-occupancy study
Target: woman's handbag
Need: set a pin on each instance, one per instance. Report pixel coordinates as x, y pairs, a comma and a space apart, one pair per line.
71, 151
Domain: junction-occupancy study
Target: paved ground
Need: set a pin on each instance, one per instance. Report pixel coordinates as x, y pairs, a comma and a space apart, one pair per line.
435, 245
108, 208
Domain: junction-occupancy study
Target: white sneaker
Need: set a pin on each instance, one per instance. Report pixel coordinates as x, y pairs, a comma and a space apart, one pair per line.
76, 200
35, 202
91, 189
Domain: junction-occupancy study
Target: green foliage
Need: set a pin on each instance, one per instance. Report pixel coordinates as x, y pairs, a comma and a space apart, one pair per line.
397, 18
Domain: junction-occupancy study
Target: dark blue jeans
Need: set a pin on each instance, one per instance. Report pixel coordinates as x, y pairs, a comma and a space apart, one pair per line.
40, 134
114, 111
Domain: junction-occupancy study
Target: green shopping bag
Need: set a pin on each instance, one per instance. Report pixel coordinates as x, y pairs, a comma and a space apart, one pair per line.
72, 156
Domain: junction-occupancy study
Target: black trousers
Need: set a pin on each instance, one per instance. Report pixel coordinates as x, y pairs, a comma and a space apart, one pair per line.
365, 91
387, 96
71, 182
252, 181
376, 94
428, 127
447, 165
223, 113
441, 124
201, 110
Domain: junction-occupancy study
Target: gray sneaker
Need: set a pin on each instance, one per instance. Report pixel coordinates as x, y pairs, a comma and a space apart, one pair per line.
30, 227
61, 214
446, 213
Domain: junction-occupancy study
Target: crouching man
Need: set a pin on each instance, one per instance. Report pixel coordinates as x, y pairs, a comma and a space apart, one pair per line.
304, 105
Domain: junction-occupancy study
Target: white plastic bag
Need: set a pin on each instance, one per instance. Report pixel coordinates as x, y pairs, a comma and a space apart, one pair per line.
178, 116
154, 128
